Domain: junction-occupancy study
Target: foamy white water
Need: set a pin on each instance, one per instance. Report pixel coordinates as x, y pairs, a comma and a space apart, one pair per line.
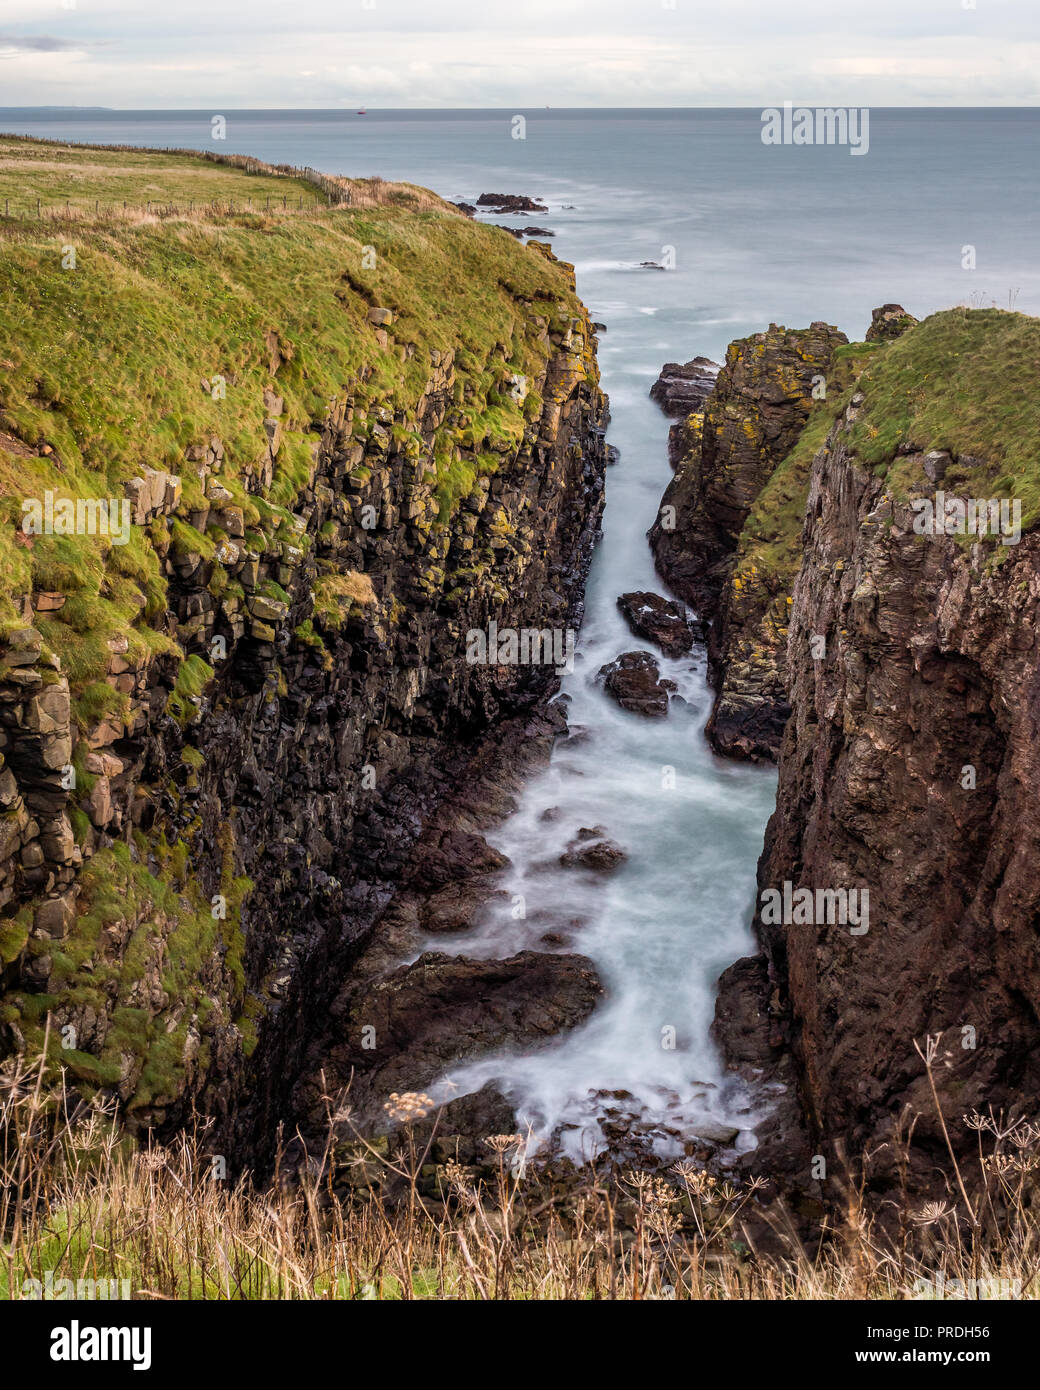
759, 234
663, 926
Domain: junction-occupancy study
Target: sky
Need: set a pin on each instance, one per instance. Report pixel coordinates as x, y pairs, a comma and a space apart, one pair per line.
522, 54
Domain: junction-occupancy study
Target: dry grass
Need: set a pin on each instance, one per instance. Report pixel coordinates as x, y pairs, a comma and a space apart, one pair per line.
78, 1199
104, 185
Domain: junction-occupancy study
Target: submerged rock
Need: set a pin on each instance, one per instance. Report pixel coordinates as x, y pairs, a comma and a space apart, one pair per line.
442, 1010
635, 682
592, 849
509, 203
660, 619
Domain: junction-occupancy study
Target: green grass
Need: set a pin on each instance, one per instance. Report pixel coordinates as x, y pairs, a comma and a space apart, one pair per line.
57, 174
770, 548
964, 380
174, 937
111, 366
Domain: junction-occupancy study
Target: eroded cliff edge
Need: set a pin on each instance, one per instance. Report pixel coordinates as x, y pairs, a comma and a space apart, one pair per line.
720, 552
346, 439
908, 764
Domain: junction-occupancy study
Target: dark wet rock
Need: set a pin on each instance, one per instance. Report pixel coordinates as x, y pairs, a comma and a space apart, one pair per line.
713, 1132
501, 203
465, 1122
635, 682
521, 232
683, 387
451, 855
457, 907
467, 208
602, 857
442, 1010
577, 735
659, 620
591, 849
591, 832
753, 1037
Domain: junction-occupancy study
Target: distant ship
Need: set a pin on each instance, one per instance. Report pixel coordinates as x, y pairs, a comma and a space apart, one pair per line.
362, 112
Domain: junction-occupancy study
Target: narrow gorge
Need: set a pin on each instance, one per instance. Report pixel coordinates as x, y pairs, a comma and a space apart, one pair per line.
285, 847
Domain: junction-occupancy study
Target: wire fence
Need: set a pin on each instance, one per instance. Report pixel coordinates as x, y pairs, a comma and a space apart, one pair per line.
332, 191
28, 208
337, 191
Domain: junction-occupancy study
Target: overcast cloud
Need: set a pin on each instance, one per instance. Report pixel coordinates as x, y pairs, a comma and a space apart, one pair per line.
215, 54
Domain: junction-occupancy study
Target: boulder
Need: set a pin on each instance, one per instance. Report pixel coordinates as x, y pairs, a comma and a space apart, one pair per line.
591, 849
660, 620
633, 679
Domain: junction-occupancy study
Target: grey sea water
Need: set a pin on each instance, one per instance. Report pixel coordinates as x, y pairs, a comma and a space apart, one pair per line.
758, 234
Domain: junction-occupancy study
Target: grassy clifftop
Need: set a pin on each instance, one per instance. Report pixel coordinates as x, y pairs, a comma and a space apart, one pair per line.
133, 340
301, 405
963, 380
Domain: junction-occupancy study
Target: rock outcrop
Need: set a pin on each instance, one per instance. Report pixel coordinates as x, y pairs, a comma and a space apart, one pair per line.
501, 203
890, 321
683, 387
199, 838
907, 768
440, 1011
725, 455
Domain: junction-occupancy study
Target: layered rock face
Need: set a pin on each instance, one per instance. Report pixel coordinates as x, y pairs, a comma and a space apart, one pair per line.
189, 865
750, 423
906, 772
683, 387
